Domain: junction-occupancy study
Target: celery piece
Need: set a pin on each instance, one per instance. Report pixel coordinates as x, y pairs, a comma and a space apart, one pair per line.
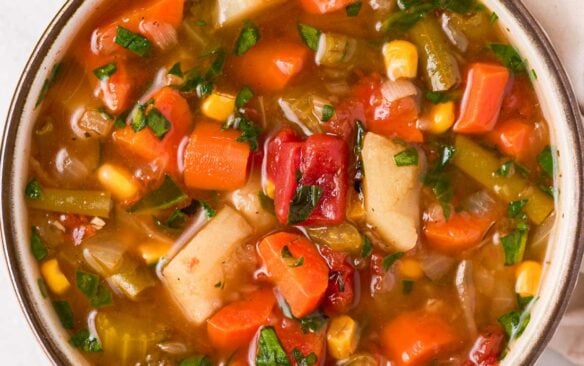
481, 165
90, 203
169, 194
441, 68
335, 49
133, 278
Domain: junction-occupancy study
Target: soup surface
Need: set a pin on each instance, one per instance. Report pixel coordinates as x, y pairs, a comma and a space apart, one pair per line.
301, 182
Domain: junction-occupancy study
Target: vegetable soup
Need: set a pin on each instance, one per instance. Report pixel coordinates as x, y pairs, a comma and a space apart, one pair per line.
291, 182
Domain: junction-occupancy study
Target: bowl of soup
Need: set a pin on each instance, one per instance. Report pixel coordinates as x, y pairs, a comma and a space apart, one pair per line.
222, 182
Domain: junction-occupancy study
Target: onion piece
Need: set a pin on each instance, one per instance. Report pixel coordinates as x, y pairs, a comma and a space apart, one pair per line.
394, 90
162, 34
540, 238
466, 291
93, 123
456, 37
173, 348
480, 203
435, 265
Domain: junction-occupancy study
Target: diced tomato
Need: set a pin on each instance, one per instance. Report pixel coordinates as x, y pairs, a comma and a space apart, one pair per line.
324, 6
339, 294
347, 113
283, 136
487, 349
78, 227
514, 137
292, 337
521, 101
460, 232
393, 119
321, 160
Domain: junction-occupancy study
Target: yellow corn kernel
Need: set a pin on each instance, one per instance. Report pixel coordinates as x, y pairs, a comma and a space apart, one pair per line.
118, 181
54, 277
270, 189
411, 269
441, 118
218, 106
342, 337
527, 278
152, 251
356, 211
401, 59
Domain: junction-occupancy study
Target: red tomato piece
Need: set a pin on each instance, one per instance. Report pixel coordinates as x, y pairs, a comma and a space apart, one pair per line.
514, 137
324, 6
283, 136
292, 337
339, 294
487, 348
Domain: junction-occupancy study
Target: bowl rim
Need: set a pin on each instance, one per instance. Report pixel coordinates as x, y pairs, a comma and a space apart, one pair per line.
539, 41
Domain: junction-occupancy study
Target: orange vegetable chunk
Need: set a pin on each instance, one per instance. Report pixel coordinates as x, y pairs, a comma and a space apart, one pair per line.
324, 6
515, 138
460, 232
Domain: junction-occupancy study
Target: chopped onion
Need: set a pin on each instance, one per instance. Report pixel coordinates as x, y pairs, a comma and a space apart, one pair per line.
435, 265
394, 90
93, 123
292, 117
69, 168
161, 33
540, 238
173, 348
104, 253
467, 295
456, 37
480, 203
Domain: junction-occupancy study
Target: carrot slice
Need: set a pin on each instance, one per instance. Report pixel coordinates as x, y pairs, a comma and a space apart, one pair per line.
462, 231
270, 65
514, 137
482, 99
297, 269
235, 325
415, 338
324, 6
214, 159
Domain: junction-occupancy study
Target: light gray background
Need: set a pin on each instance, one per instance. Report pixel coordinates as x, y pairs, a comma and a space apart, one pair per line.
21, 24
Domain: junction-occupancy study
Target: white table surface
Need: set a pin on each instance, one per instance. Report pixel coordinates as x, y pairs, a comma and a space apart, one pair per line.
21, 24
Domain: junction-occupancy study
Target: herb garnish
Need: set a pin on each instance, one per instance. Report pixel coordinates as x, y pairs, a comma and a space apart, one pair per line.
84, 341
439, 181
209, 211
408, 157
50, 81
546, 161
37, 247
243, 97
367, 247
508, 56
133, 42
266, 202
250, 132
196, 361
90, 285
176, 70
390, 259
270, 351
289, 257
328, 112
33, 190
514, 245
304, 202
106, 71
248, 37
65, 313
302, 360
354, 9
309, 35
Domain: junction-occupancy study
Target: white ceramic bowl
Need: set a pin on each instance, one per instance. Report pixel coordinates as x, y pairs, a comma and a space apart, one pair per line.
557, 101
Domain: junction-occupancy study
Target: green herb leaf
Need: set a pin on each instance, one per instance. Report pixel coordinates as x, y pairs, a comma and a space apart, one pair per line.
406, 4
138, 122
216, 67
515, 323
250, 133
367, 247
389, 260
515, 208
33, 190
65, 313
133, 42
196, 361
169, 194
407, 286
354, 9
437, 97
457, 6
158, 123
102, 297
177, 219
43, 288
401, 21
533, 75
312, 323
209, 211
120, 121
523, 302
302, 360
546, 161
408, 157
248, 37
37, 247
508, 57
200, 23
87, 283
106, 71
309, 35
514, 246
176, 70
266, 202
85, 342
304, 202
359, 138
289, 257
505, 169
493, 18
243, 97
270, 351
328, 112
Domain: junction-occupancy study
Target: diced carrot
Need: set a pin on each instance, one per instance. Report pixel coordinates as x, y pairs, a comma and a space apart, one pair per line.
270, 65
324, 6
214, 159
235, 325
116, 91
483, 97
417, 337
514, 137
302, 278
460, 232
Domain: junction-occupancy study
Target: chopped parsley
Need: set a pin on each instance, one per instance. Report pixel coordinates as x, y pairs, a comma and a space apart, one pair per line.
546, 161
84, 341
515, 208
157, 123
248, 37
37, 247
328, 112
312, 323
440, 181
177, 219
389, 260
505, 169
209, 211
90, 285
176, 70
401, 21
250, 132
408, 157
304, 202
270, 351
302, 360
367, 247
493, 18
33, 190
196, 361
266, 202
309, 35
138, 121
354, 9
437, 97
43, 288
65, 313
508, 56
106, 71
133, 42
290, 259
514, 246
407, 287
243, 97
515, 322
533, 75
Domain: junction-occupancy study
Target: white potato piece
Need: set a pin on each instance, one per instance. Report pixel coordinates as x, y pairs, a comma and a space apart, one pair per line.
392, 193
247, 201
229, 11
193, 274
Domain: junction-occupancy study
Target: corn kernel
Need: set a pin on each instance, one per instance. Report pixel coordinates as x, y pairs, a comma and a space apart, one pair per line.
54, 277
342, 337
218, 106
441, 118
270, 189
527, 276
118, 181
401, 59
152, 251
411, 269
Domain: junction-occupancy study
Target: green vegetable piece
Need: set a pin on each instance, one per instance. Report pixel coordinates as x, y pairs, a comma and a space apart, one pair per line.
494, 17
106, 71
313, 323
508, 57
120, 121
390, 259
133, 42
367, 247
309, 35
33, 190
84, 341
407, 286
292, 261
243, 97
102, 297
158, 123
354, 9
437, 97
138, 122
524, 302
515, 323
250, 132
533, 75
49, 82
216, 67
270, 351
65, 313
514, 246
302, 360
266, 202
458, 6
408, 157
505, 169
196, 361
43, 288
87, 283
169, 194
177, 219
515, 208
304, 202
402, 21
37, 247
209, 211
90, 203
438, 62
248, 37
546, 161
328, 112
176, 70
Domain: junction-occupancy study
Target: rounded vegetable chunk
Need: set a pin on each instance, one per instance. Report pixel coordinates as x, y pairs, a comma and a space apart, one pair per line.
460, 232
415, 338
295, 266
324, 6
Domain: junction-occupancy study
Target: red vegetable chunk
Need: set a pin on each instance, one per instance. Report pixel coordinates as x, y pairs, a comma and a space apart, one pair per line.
487, 349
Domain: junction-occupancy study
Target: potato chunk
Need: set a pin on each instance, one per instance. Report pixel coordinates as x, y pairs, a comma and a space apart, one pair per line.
229, 11
392, 193
247, 201
193, 274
